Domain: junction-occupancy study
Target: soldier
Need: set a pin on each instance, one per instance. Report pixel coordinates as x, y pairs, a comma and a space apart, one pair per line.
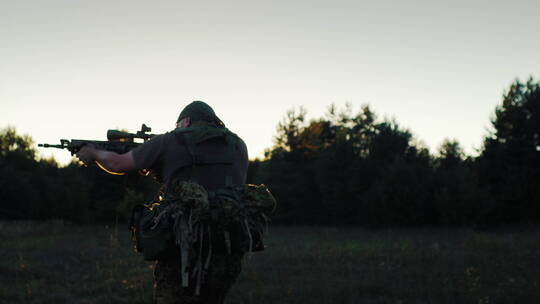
171, 156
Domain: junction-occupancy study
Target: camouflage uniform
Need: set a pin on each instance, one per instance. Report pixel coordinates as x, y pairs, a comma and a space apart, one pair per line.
223, 271
225, 264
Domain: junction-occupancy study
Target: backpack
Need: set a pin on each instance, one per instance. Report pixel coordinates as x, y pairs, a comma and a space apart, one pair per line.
187, 219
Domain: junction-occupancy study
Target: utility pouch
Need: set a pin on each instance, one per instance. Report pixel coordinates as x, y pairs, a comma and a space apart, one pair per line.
151, 237
244, 208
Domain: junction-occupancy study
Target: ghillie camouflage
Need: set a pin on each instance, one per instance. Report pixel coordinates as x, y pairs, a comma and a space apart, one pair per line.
185, 222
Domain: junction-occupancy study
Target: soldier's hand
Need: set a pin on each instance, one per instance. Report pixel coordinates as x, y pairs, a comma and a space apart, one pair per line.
86, 154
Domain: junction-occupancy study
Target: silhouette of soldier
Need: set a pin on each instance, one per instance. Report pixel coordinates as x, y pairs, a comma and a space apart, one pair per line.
173, 156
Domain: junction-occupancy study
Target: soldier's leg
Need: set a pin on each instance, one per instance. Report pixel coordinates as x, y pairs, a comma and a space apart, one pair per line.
168, 286
223, 271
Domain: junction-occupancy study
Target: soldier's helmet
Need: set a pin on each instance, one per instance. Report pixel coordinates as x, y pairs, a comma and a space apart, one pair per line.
200, 111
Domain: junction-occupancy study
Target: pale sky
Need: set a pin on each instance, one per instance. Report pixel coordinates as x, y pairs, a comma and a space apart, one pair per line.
73, 69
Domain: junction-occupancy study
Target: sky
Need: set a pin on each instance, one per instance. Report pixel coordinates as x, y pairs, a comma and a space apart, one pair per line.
73, 69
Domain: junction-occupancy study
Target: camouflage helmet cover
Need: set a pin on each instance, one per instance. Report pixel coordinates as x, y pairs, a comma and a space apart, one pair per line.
199, 111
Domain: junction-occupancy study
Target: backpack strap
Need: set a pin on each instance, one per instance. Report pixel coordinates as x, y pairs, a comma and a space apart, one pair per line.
231, 146
190, 144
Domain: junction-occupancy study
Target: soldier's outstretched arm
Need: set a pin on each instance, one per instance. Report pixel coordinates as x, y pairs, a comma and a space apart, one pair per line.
112, 161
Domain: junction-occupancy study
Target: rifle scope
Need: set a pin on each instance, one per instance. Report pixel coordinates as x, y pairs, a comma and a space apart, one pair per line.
116, 135
119, 135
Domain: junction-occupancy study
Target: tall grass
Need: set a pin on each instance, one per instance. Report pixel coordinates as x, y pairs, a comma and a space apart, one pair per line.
54, 262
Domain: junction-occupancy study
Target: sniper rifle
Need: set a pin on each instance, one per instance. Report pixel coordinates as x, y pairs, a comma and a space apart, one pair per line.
117, 141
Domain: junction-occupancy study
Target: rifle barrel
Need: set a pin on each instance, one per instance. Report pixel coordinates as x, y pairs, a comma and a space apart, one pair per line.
51, 146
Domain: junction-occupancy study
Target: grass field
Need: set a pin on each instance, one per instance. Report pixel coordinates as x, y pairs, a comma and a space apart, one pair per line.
54, 262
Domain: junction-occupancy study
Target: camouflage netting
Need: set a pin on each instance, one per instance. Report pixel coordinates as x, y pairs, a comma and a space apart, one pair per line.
193, 211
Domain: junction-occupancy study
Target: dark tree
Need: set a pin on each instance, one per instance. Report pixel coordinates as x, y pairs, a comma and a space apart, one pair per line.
510, 160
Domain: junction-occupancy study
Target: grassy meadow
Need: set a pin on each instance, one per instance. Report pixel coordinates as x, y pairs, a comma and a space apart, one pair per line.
55, 262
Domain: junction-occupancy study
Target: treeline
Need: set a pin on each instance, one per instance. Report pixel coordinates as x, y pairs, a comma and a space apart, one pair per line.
354, 169
40, 189
345, 168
